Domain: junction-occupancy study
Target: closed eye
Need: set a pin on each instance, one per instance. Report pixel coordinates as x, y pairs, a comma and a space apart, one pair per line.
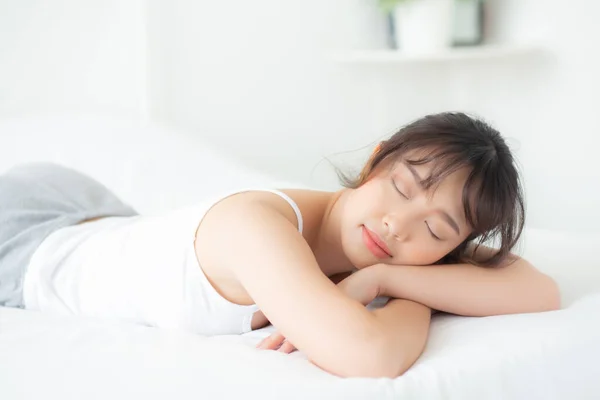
398, 190
433, 235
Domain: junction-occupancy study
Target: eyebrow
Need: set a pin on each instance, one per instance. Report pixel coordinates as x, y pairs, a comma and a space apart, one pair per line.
419, 183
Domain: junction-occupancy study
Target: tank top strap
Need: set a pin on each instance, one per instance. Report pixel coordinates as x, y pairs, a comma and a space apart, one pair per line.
292, 203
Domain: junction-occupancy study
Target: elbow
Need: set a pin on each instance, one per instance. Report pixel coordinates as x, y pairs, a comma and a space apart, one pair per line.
367, 370
372, 360
552, 295
544, 296
380, 362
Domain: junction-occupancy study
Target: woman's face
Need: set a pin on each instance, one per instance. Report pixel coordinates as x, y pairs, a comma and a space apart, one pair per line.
391, 219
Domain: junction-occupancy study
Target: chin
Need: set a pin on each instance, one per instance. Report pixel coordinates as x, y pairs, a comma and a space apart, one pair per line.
360, 261
361, 265
356, 252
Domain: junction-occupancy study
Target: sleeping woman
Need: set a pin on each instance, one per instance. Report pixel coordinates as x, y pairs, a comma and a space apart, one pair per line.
409, 228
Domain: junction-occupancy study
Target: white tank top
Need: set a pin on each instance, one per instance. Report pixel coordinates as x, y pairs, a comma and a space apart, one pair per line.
141, 269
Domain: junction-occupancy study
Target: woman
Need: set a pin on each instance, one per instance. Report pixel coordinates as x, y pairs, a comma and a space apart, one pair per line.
406, 228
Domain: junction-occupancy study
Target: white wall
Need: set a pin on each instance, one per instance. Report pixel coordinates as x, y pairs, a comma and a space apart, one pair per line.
70, 55
256, 79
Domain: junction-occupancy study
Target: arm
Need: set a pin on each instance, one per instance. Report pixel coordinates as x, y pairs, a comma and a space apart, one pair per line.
362, 286
277, 268
469, 290
405, 323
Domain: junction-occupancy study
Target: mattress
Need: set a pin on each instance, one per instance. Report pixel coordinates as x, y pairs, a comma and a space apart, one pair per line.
550, 355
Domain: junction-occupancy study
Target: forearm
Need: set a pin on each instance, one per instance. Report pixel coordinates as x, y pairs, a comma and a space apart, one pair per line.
469, 290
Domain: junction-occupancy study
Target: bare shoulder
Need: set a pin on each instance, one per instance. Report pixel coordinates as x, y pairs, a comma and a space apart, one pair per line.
311, 203
313, 206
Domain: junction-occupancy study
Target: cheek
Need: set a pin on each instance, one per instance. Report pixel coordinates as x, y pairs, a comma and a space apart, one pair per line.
371, 195
423, 254
359, 203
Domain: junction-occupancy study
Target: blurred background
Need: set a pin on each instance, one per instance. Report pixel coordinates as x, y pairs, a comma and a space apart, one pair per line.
291, 87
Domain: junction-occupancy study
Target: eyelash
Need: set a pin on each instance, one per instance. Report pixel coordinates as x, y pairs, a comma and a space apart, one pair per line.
406, 197
430, 231
398, 190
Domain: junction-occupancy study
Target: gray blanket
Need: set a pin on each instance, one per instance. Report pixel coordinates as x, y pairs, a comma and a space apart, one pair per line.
35, 200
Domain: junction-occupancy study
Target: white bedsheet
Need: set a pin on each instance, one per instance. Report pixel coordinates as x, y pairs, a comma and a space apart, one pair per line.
538, 356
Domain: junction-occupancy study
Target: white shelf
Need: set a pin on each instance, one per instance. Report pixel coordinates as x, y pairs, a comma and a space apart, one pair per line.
466, 53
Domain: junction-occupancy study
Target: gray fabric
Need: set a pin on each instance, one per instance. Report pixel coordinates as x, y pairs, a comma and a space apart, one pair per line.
35, 200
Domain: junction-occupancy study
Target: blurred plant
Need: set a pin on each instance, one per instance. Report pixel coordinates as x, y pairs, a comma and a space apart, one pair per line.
389, 5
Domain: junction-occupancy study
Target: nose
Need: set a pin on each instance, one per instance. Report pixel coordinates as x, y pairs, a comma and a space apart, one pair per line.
396, 227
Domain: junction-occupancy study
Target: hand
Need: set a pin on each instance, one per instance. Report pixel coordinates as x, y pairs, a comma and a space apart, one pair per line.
362, 286
276, 341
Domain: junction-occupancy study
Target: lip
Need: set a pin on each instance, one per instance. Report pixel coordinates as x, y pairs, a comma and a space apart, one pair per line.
375, 244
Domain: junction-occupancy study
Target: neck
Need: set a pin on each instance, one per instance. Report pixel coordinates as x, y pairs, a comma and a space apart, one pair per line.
327, 247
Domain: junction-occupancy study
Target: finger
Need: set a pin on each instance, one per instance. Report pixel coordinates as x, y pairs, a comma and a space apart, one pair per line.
271, 342
287, 347
267, 339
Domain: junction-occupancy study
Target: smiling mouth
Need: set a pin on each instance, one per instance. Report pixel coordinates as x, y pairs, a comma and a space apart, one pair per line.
375, 245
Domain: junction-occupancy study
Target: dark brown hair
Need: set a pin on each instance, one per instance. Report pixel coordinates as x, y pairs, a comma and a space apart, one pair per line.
492, 196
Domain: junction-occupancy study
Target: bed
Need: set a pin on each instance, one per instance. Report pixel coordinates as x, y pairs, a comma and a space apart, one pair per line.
550, 355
